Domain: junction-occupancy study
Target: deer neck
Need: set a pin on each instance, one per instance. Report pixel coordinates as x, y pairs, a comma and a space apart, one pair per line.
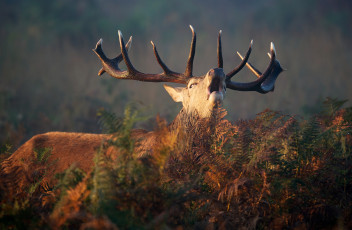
187, 130
191, 122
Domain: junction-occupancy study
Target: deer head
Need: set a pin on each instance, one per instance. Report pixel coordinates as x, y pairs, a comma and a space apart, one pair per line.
202, 93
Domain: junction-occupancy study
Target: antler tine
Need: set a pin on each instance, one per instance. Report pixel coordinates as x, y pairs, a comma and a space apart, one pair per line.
220, 60
130, 67
254, 70
99, 51
189, 67
257, 72
119, 58
111, 65
272, 61
242, 64
269, 83
106, 61
161, 63
265, 82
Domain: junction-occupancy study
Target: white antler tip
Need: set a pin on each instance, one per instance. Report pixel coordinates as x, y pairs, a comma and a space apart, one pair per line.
129, 44
120, 34
220, 32
98, 44
190, 26
251, 42
272, 47
152, 43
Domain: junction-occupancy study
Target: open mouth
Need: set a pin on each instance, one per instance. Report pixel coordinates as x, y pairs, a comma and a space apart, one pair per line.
215, 87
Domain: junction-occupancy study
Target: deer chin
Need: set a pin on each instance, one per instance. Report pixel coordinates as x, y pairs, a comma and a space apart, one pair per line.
215, 91
215, 97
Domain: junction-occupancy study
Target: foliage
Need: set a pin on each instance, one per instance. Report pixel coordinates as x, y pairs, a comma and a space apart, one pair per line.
272, 172
5, 151
42, 155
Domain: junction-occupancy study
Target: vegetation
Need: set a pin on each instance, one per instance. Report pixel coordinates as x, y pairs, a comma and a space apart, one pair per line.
272, 172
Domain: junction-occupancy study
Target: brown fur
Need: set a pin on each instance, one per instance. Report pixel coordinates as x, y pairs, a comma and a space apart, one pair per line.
64, 149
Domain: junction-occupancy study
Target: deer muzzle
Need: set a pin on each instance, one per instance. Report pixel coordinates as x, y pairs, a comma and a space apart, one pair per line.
216, 85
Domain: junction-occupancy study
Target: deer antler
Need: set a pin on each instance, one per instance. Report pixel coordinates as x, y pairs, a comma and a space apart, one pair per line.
269, 83
240, 66
254, 85
265, 81
111, 65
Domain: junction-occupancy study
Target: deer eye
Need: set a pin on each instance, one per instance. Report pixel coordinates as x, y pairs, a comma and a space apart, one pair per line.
192, 85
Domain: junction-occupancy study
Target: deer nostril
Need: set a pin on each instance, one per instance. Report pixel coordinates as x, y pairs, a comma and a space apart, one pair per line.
217, 72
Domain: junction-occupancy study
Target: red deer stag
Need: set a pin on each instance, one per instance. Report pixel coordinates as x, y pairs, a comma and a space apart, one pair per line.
200, 97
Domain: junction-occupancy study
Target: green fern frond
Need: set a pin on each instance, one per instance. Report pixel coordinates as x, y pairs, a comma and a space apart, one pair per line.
42, 155
5, 148
108, 121
69, 178
102, 184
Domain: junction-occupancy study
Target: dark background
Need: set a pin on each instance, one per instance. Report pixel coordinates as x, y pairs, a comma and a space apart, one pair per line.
48, 72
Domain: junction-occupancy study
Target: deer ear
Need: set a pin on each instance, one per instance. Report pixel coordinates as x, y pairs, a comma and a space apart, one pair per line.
175, 93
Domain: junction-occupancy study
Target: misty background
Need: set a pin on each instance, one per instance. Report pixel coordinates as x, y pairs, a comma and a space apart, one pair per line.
48, 72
